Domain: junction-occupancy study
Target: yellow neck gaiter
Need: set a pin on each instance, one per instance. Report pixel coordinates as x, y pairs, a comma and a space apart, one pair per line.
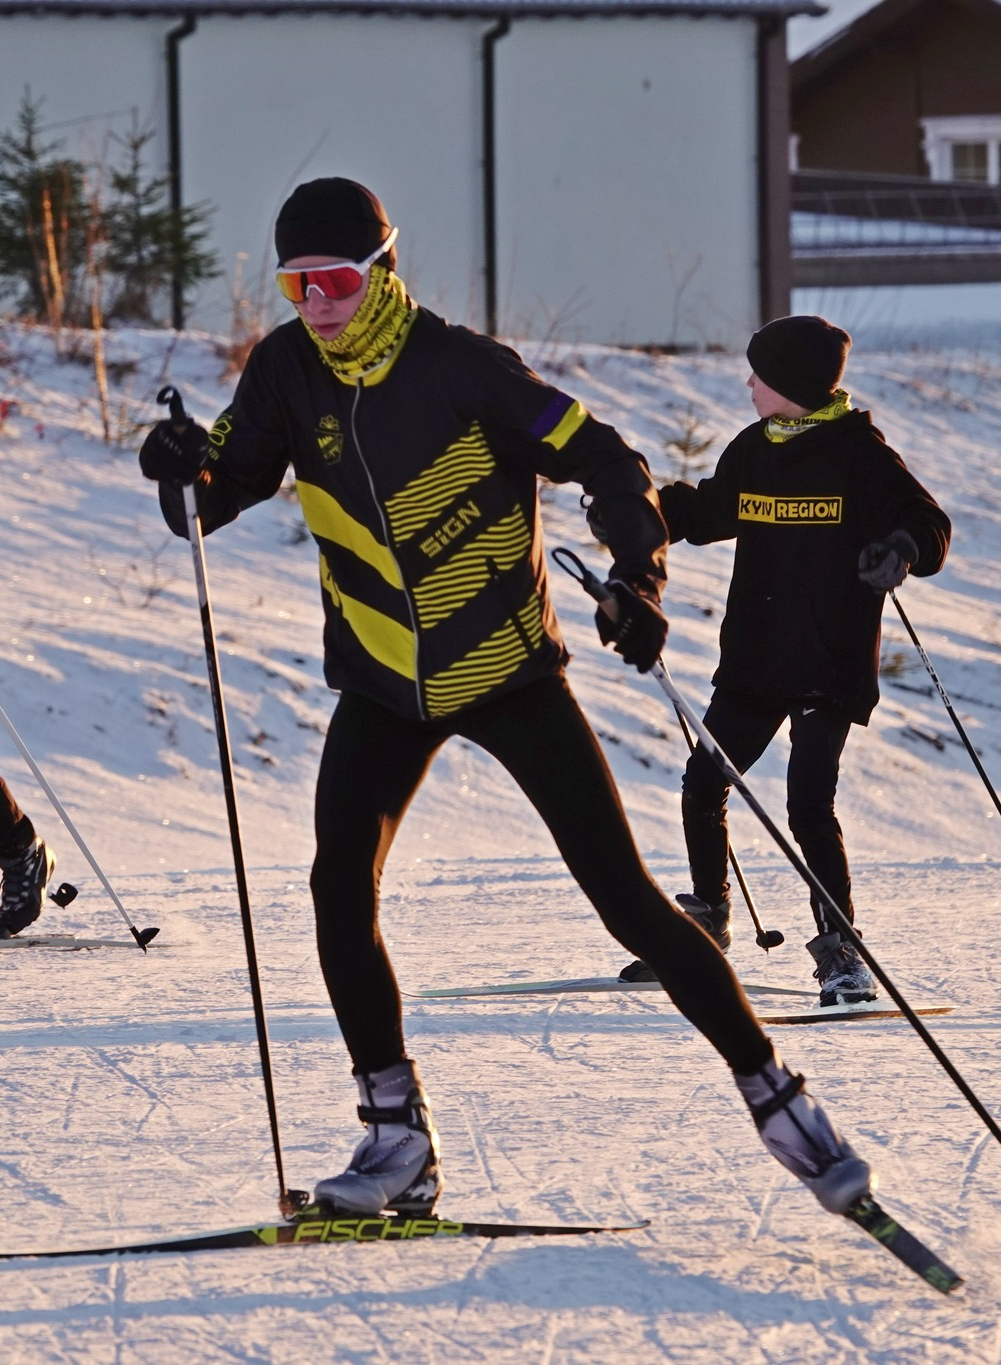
781, 429
369, 345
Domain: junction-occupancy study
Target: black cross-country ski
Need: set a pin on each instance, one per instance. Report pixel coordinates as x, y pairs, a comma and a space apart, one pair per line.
315, 1226
867, 1214
582, 985
862, 1009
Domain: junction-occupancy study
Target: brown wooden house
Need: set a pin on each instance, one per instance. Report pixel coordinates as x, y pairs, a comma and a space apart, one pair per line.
911, 88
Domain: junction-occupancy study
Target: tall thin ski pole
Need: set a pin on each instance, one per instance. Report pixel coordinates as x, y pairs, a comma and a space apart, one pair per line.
765, 938
289, 1200
947, 703
141, 936
601, 594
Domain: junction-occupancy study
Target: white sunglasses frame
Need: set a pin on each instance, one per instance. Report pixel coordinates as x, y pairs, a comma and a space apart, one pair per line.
361, 266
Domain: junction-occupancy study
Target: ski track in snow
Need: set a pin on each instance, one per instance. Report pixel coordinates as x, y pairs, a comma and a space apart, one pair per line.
132, 1099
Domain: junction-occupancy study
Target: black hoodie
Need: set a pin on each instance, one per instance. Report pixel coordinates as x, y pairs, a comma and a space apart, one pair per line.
798, 622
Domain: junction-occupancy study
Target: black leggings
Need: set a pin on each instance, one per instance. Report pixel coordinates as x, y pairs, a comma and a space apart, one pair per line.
372, 766
744, 727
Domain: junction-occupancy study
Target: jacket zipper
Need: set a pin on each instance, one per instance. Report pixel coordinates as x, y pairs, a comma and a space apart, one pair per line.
389, 546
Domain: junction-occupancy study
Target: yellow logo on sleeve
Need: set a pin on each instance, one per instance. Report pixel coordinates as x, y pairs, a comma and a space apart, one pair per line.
812, 510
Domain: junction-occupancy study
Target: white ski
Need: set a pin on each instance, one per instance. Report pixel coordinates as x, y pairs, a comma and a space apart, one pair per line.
584, 985
67, 942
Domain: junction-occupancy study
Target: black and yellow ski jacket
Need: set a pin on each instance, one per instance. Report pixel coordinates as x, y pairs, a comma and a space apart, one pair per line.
421, 493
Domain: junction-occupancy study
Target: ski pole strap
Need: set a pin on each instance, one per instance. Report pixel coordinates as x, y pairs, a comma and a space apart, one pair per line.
590, 582
761, 1113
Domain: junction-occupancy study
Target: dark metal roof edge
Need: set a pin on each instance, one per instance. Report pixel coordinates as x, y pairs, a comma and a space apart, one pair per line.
785, 9
863, 30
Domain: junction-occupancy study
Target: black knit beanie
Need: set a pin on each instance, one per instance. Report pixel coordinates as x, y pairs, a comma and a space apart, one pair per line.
332, 217
802, 358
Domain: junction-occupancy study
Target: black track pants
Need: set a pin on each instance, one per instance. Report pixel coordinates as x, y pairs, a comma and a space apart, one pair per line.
744, 727
372, 765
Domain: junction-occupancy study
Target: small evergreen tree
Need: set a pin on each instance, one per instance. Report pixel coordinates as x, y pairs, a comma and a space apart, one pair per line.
43, 221
149, 245
55, 233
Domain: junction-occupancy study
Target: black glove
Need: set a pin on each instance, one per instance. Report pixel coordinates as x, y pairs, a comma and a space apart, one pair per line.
884, 563
595, 522
639, 630
174, 455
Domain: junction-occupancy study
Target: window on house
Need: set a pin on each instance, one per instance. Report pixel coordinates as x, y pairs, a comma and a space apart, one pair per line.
965, 147
970, 161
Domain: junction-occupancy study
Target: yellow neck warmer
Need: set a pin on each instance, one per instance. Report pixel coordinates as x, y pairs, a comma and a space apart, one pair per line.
369, 345
781, 429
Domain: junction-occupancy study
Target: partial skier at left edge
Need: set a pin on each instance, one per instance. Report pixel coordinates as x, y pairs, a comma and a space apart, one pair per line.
417, 446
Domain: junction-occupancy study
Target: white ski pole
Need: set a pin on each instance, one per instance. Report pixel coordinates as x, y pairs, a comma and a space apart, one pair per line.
141, 936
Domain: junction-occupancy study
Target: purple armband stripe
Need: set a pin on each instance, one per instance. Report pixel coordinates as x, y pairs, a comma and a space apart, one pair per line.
551, 416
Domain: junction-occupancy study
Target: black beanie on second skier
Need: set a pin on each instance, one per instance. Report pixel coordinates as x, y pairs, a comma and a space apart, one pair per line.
802, 358
332, 217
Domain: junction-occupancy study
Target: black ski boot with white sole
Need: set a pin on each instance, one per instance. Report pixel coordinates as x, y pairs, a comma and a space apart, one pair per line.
800, 1136
397, 1165
26, 876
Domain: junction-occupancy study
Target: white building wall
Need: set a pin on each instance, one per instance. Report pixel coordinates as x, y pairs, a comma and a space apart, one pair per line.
90, 76
626, 177
627, 186
391, 102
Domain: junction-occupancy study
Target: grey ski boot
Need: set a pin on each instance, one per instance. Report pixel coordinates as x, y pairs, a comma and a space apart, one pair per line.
844, 978
397, 1165
714, 919
26, 876
800, 1136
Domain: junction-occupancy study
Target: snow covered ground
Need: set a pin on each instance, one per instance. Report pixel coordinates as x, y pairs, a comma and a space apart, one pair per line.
132, 1099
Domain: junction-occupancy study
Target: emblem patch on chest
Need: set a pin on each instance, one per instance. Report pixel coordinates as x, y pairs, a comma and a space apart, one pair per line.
330, 439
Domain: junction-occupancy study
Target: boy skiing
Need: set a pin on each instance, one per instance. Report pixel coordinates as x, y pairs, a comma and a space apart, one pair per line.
827, 519
26, 863
416, 446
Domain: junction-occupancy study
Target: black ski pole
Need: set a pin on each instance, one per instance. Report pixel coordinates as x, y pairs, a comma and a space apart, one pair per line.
141, 936
948, 704
289, 1200
765, 938
601, 594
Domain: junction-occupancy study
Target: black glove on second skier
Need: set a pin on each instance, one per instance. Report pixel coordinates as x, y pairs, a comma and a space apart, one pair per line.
885, 563
174, 455
639, 630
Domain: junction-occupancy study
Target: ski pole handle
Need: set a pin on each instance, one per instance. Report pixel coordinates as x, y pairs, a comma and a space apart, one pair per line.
180, 419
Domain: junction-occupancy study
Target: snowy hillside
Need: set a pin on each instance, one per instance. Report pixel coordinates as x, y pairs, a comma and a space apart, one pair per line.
132, 1097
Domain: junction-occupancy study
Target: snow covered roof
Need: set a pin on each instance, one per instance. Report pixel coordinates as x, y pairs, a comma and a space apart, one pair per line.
501, 8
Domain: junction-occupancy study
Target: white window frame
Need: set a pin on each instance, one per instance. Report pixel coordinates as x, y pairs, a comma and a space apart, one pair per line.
940, 134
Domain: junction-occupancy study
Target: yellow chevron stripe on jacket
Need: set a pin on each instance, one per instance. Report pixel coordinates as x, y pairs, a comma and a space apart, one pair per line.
467, 573
464, 463
574, 417
325, 517
486, 666
392, 644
